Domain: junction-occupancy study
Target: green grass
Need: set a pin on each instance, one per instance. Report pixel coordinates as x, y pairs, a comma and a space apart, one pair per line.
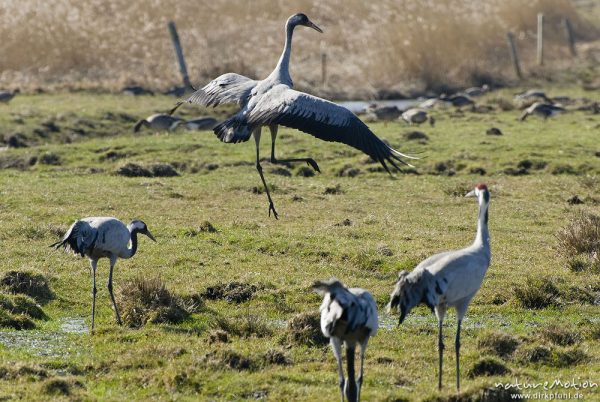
409, 217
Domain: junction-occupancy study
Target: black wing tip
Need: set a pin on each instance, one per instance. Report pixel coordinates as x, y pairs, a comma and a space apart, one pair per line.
176, 107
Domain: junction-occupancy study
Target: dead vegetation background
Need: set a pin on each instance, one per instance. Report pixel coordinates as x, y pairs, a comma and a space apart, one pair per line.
373, 48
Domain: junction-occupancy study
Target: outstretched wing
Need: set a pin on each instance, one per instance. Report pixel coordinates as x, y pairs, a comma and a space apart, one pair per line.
227, 88
80, 238
322, 119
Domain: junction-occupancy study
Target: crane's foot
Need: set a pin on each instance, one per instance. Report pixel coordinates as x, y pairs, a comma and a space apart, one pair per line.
313, 164
272, 208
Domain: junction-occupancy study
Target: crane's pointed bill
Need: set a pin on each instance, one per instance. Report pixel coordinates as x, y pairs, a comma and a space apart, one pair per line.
310, 24
471, 194
147, 233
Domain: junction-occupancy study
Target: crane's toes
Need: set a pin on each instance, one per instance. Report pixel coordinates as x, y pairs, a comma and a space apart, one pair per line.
272, 208
313, 164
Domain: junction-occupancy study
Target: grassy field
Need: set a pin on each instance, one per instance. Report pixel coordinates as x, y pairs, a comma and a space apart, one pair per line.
212, 228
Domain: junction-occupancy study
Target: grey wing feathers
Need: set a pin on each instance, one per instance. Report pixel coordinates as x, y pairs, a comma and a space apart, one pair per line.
322, 119
80, 238
227, 88
355, 306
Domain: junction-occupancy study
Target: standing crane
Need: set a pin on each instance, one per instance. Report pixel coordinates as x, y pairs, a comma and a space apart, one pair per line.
542, 109
99, 237
448, 279
272, 102
348, 316
6, 96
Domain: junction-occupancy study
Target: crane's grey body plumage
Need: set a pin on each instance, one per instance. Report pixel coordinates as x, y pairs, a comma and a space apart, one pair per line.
447, 280
542, 109
103, 237
272, 102
159, 122
348, 316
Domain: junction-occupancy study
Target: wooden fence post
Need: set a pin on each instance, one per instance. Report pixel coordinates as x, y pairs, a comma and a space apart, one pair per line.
570, 37
514, 55
179, 52
540, 39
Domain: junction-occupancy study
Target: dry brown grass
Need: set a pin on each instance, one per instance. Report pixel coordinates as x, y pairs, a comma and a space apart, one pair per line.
371, 47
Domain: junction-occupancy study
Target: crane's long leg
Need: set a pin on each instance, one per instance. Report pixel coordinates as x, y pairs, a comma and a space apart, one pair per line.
310, 161
262, 177
337, 352
113, 261
457, 345
351, 392
93, 264
440, 312
363, 347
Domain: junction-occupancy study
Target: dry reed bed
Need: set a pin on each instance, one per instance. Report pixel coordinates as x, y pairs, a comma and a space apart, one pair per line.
372, 46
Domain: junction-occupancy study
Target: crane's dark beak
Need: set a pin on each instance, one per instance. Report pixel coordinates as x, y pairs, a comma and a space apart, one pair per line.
149, 235
313, 26
471, 193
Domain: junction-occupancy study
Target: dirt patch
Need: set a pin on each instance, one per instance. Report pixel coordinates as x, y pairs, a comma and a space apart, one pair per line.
205, 227
345, 222
163, 170
478, 170
143, 301
575, 200
281, 171
348, 171
487, 366
415, 136
228, 358
493, 131
28, 283
56, 386
232, 292
305, 329
384, 250
337, 189
564, 169
16, 140
498, 343
305, 171
133, 170
17, 162
218, 336
50, 158
276, 357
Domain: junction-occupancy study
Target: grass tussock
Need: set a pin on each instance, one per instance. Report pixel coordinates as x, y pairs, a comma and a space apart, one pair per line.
18, 321
498, 343
537, 293
21, 304
305, 329
28, 283
143, 301
560, 336
579, 242
225, 358
487, 366
245, 326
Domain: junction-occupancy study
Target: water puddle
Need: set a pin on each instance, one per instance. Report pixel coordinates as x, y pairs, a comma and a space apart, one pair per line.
46, 343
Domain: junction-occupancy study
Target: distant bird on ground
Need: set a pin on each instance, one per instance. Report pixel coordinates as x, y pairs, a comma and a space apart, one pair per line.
201, 123
417, 116
544, 110
533, 94
477, 91
6, 96
458, 100
383, 113
348, 316
159, 122
272, 102
448, 279
433, 103
98, 237
136, 90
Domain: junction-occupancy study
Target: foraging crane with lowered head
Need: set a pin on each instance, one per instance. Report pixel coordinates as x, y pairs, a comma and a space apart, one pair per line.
98, 237
348, 316
272, 102
448, 279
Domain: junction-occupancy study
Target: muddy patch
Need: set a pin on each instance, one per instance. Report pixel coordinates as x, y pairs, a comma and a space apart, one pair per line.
232, 292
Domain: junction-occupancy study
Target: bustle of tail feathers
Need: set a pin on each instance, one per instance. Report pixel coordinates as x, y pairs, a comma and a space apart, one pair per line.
233, 130
416, 288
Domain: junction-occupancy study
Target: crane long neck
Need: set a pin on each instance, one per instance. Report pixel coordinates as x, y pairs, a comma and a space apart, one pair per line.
134, 244
483, 236
282, 71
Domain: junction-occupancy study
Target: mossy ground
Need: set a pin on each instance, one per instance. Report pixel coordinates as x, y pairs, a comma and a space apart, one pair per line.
319, 234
